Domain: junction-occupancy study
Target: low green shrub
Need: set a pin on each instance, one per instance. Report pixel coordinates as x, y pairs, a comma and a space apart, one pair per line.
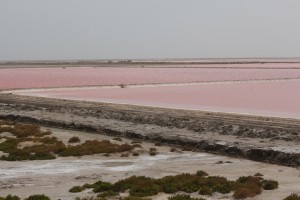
249, 186
9, 145
269, 184
38, 197
153, 153
87, 185
183, 197
95, 147
23, 130
102, 187
201, 173
152, 149
74, 139
135, 154
137, 146
144, 190
12, 197
258, 174
108, 193
223, 188
51, 147
47, 140
76, 189
243, 193
131, 182
205, 190
187, 149
90, 198
136, 142
135, 198
141, 186
292, 197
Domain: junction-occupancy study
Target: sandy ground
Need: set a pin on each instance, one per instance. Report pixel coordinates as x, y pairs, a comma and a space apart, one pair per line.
55, 177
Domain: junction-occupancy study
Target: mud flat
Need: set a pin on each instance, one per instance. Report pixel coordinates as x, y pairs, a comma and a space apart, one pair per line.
265, 139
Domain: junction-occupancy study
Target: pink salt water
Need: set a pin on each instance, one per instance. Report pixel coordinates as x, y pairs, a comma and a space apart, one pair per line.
271, 98
88, 76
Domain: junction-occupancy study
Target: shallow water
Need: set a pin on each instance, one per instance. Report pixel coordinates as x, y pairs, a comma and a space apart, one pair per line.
266, 98
90, 76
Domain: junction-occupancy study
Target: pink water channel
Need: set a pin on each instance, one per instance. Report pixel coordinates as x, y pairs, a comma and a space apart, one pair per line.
267, 98
24, 78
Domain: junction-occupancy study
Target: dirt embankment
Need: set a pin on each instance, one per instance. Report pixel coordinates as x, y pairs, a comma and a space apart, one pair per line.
273, 140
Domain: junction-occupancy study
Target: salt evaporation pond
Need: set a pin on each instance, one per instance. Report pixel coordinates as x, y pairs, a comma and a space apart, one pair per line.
268, 98
23, 78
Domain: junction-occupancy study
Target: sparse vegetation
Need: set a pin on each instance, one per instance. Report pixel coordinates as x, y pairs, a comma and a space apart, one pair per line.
258, 174
22, 130
135, 154
95, 147
183, 197
28, 133
137, 146
76, 189
10, 197
247, 187
32, 197
102, 187
205, 190
108, 193
201, 173
135, 198
38, 197
74, 139
141, 186
153, 153
187, 149
292, 197
152, 149
270, 184
158, 144
90, 198
136, 142
44, 147
124, 155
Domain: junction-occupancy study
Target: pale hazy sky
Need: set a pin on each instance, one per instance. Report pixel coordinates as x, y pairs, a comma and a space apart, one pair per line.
103, 29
